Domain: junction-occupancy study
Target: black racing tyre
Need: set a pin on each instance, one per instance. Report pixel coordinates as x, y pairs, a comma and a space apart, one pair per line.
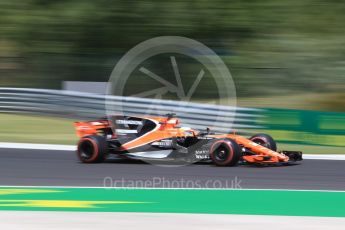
264, 140
225, 152
92, 149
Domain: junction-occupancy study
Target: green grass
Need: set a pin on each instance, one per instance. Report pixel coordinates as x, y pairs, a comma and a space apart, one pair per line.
36, 129
49, 130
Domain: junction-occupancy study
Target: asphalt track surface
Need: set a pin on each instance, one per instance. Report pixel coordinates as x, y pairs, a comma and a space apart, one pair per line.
20, 167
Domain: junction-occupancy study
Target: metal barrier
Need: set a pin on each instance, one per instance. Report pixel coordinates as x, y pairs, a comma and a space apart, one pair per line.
80, 105
289, 126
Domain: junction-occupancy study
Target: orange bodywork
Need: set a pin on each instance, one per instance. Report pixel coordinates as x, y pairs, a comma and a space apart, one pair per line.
260, 151
168, 128
90, 128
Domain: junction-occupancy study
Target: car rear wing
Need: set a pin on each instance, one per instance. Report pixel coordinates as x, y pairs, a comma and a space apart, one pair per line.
91, 127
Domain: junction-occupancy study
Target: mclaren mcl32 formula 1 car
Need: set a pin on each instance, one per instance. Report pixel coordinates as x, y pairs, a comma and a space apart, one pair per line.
162, 138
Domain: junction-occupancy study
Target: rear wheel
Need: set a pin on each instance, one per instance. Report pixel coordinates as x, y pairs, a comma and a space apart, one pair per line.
264, 140
225, 152
92, 149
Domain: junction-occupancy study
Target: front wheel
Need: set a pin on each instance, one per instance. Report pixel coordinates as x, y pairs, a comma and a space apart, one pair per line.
92, 149
225, 152
264, 140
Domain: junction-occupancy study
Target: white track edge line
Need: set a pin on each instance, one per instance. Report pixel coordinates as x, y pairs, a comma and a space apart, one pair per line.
156, 188
9, 145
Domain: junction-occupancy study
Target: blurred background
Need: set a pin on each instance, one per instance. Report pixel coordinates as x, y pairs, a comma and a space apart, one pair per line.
287, 56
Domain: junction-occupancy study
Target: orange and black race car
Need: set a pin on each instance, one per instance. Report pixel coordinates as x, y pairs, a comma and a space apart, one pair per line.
162, 138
